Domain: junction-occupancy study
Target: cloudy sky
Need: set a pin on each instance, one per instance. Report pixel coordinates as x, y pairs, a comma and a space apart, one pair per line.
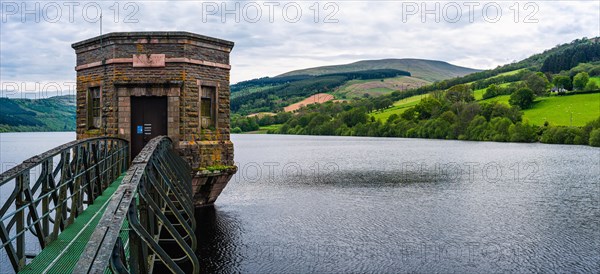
275, 37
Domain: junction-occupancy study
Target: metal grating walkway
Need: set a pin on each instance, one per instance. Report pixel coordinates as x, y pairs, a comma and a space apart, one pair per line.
61, 255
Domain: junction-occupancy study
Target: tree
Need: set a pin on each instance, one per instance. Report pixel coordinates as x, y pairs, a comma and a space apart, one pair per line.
354, 116
491, 91
560, 81
591, 85
595, 138
459, 93
564, 135
393, 117
410, 114
523, 98
500, 127
594, 71
495, 109
537, 82
580, 80
428, 107
520, 132
382, 103
477, 129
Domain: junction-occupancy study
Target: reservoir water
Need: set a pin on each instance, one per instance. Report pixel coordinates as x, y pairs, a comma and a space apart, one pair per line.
362, 205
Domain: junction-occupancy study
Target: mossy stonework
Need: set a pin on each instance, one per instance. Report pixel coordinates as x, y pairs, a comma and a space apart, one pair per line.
186, 69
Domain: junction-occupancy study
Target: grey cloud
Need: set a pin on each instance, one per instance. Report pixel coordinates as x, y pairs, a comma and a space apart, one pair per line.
366, 30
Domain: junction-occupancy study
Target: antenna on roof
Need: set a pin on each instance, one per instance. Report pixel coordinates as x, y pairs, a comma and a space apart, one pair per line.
101, 29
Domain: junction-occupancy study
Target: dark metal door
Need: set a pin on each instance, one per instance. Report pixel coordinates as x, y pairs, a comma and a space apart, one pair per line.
148, 120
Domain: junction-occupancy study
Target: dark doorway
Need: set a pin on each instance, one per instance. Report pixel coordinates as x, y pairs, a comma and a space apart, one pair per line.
148, 120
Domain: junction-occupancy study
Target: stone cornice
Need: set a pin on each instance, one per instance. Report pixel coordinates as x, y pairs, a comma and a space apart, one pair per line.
155, 37
167, 60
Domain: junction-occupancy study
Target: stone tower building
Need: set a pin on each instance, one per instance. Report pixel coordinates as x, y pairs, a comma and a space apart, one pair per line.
138, 85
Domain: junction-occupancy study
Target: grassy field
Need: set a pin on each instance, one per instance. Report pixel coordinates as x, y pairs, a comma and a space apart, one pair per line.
398, 108
478, 93
502, 99
595, 79
508, 73
554, 109
376, 87
374, 92
262, 114
557, 109
512, 72
264, 129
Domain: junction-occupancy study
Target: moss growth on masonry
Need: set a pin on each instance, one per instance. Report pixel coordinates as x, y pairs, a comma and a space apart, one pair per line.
215, 168
93, 132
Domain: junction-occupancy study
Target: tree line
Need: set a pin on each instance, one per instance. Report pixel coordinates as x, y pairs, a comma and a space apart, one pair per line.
448, 115
583, 51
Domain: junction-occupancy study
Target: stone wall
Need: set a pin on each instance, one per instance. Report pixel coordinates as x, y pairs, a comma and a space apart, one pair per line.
172, 64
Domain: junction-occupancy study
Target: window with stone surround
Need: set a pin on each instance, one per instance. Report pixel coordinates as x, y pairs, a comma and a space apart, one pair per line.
94, 120
208, 106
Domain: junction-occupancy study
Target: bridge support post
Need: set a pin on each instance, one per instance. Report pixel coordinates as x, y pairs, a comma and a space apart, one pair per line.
20, 215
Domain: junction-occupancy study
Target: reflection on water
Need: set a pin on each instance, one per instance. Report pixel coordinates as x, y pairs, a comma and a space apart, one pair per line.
338, 204
216, 232
344, 204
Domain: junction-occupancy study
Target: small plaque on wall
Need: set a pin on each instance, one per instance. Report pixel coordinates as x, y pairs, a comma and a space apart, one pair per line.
148, 60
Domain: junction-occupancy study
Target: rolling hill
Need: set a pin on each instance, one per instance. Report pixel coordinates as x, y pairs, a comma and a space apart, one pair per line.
429, 70
49, 114
372, 88
349, 81
273, 94
466, 108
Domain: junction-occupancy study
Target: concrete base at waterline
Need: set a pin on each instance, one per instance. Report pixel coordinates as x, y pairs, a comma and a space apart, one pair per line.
208, 185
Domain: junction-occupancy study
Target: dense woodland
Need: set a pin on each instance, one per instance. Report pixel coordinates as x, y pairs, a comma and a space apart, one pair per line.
581, 52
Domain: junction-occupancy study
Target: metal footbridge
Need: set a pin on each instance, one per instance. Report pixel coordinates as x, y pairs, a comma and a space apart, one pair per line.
84, 207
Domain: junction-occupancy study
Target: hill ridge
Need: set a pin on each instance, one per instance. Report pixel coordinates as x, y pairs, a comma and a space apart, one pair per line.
426, 69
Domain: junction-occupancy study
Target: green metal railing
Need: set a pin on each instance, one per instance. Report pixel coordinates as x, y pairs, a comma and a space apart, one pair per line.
51, 189
151, 210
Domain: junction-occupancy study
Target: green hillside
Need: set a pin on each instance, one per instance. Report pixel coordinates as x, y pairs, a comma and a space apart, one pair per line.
442, 74
368, 78
50, 114
518, 102
575, 110
354, 89
428, 70
273, 94
398, 107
